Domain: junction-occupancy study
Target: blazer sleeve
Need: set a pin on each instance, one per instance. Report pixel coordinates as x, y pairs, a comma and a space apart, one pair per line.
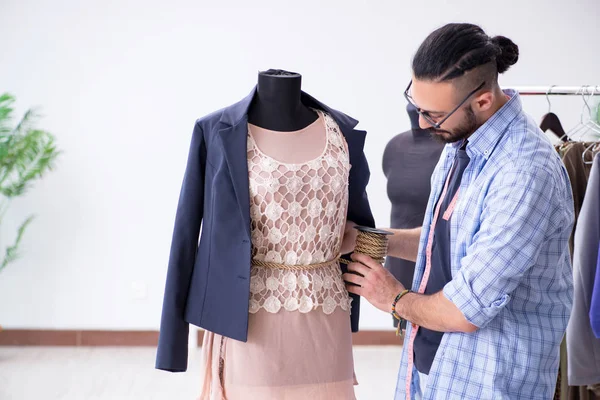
359, 211
172, 354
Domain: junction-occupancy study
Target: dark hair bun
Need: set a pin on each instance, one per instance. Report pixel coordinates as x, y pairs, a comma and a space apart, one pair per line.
509, 53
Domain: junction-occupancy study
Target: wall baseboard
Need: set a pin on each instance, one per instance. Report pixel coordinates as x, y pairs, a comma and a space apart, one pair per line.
376, 338
29, 337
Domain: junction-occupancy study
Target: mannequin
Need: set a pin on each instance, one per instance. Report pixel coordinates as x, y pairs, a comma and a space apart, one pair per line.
414, 117
277, 104
256, 244
298, 173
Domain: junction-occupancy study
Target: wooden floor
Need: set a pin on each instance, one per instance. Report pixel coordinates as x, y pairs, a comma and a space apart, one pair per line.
119, 373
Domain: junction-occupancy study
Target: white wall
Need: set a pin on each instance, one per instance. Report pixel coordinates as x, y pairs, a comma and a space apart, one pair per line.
122, 82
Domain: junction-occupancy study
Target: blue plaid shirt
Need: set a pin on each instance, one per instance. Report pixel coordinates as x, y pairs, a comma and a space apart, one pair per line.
511, 268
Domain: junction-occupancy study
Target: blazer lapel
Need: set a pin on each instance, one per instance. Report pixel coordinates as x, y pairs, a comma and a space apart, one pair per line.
234, 137
234, 141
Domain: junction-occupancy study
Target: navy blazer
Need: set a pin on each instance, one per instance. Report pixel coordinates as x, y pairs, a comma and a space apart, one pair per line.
208, 284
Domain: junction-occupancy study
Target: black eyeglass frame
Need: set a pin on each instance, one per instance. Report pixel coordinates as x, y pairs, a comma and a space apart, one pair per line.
426, 117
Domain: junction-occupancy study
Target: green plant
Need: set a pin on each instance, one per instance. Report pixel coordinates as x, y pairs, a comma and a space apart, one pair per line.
26, 153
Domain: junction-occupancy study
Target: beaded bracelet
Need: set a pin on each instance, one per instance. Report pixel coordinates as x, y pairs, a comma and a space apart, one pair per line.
395, 314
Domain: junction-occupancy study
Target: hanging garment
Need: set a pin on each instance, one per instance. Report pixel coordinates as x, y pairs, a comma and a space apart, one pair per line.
595, 305
579, 172
583, 348
299, 336
408, 162
208, 283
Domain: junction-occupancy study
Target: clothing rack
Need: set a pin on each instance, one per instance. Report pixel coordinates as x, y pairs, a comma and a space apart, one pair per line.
554, 90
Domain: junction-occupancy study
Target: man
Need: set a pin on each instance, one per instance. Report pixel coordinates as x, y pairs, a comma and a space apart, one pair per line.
492, 291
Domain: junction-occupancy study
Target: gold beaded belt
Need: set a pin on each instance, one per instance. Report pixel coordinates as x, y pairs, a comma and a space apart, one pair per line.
369, 241
266, 264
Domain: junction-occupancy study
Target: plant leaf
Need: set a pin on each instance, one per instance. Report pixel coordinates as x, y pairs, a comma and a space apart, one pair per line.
12, 251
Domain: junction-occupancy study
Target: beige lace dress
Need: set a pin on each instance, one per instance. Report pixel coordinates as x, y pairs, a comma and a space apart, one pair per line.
299, 337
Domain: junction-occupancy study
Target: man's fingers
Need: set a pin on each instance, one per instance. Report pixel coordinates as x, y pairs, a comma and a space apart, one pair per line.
366, 260
355, 289
359, 268
353, 278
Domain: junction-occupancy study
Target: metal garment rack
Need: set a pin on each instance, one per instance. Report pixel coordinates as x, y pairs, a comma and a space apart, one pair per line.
557, 90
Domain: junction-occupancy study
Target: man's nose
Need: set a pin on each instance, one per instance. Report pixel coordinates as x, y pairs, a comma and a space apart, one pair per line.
423, 123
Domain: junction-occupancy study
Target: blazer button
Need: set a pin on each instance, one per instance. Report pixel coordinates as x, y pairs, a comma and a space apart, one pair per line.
245, 241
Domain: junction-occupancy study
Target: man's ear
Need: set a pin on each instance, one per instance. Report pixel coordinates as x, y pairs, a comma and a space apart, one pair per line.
483, 102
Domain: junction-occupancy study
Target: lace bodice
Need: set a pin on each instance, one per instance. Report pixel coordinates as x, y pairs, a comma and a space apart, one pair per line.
298, 215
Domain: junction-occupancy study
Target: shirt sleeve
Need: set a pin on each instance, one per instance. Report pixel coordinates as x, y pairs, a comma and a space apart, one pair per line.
515, 221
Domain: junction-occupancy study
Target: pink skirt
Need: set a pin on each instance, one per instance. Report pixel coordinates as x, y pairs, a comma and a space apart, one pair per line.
288, 356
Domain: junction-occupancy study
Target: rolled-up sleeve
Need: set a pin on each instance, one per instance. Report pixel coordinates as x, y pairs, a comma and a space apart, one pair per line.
515, 222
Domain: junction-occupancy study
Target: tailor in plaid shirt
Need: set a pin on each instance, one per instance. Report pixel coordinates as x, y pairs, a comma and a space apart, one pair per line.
511, 269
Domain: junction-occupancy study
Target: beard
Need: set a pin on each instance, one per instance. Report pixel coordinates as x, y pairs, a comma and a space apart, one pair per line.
466, 128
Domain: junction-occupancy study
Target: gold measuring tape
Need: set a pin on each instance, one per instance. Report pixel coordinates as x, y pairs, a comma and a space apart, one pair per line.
371, 242
374, 243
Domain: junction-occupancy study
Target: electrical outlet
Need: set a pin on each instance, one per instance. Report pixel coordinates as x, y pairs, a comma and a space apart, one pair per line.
139, 290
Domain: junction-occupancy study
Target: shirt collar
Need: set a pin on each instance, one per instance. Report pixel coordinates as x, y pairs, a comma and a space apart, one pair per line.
484, 140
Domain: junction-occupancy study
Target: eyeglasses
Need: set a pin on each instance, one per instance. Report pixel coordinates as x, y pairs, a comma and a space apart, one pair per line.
429, 118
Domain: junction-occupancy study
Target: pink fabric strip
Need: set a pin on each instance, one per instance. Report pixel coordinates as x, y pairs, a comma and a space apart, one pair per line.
451, 206
428, 252
212, 388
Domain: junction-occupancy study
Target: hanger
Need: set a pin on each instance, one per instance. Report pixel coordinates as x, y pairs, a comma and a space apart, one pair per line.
593, 146
590, 124
580, 122
551, 122
582, 127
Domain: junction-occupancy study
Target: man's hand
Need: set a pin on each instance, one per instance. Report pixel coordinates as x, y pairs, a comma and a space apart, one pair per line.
380, 288
375, 283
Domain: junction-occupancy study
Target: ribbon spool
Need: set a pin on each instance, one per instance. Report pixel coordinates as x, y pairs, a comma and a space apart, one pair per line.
371, 242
